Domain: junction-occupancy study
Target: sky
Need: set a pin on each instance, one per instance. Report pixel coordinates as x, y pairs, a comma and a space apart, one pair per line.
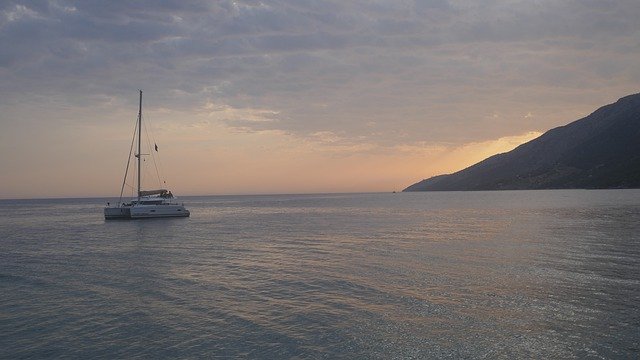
295, 96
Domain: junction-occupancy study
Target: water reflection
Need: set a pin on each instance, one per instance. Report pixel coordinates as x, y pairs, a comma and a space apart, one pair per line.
434, 275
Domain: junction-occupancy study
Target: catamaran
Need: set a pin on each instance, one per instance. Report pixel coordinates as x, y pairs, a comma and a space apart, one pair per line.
148, 203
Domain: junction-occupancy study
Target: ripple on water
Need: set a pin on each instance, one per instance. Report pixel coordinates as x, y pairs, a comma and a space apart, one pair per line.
549, 274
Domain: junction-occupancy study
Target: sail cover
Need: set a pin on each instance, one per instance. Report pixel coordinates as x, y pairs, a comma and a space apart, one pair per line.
153, 192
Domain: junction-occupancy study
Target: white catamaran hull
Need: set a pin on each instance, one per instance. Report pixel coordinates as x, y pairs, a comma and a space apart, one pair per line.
117, 212
156, 211
145, 211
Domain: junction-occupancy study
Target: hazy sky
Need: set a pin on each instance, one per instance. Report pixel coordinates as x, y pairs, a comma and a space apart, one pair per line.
292, 96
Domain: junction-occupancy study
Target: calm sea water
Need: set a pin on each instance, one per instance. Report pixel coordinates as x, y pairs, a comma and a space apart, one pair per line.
523, 274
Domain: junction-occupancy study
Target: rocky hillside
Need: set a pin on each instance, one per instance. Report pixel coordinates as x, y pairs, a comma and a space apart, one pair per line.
599, 151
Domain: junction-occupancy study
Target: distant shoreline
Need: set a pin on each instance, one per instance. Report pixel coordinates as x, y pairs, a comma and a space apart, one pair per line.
110, 198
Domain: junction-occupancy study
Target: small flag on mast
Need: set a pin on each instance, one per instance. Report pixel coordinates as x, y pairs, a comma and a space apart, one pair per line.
156, 146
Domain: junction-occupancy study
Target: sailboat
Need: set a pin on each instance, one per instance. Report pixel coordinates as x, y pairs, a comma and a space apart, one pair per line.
148, 203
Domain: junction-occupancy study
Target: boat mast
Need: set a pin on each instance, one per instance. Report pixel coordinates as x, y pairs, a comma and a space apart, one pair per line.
139, 143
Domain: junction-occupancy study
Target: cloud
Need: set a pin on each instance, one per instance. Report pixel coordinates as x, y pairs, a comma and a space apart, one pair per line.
370, 75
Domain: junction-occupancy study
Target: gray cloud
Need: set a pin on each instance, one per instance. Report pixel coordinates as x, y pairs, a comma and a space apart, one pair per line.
382, 71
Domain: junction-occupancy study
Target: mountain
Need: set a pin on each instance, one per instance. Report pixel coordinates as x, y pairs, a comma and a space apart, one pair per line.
599, 151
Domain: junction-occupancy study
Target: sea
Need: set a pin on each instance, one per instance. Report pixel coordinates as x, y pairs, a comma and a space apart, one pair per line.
431, 275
